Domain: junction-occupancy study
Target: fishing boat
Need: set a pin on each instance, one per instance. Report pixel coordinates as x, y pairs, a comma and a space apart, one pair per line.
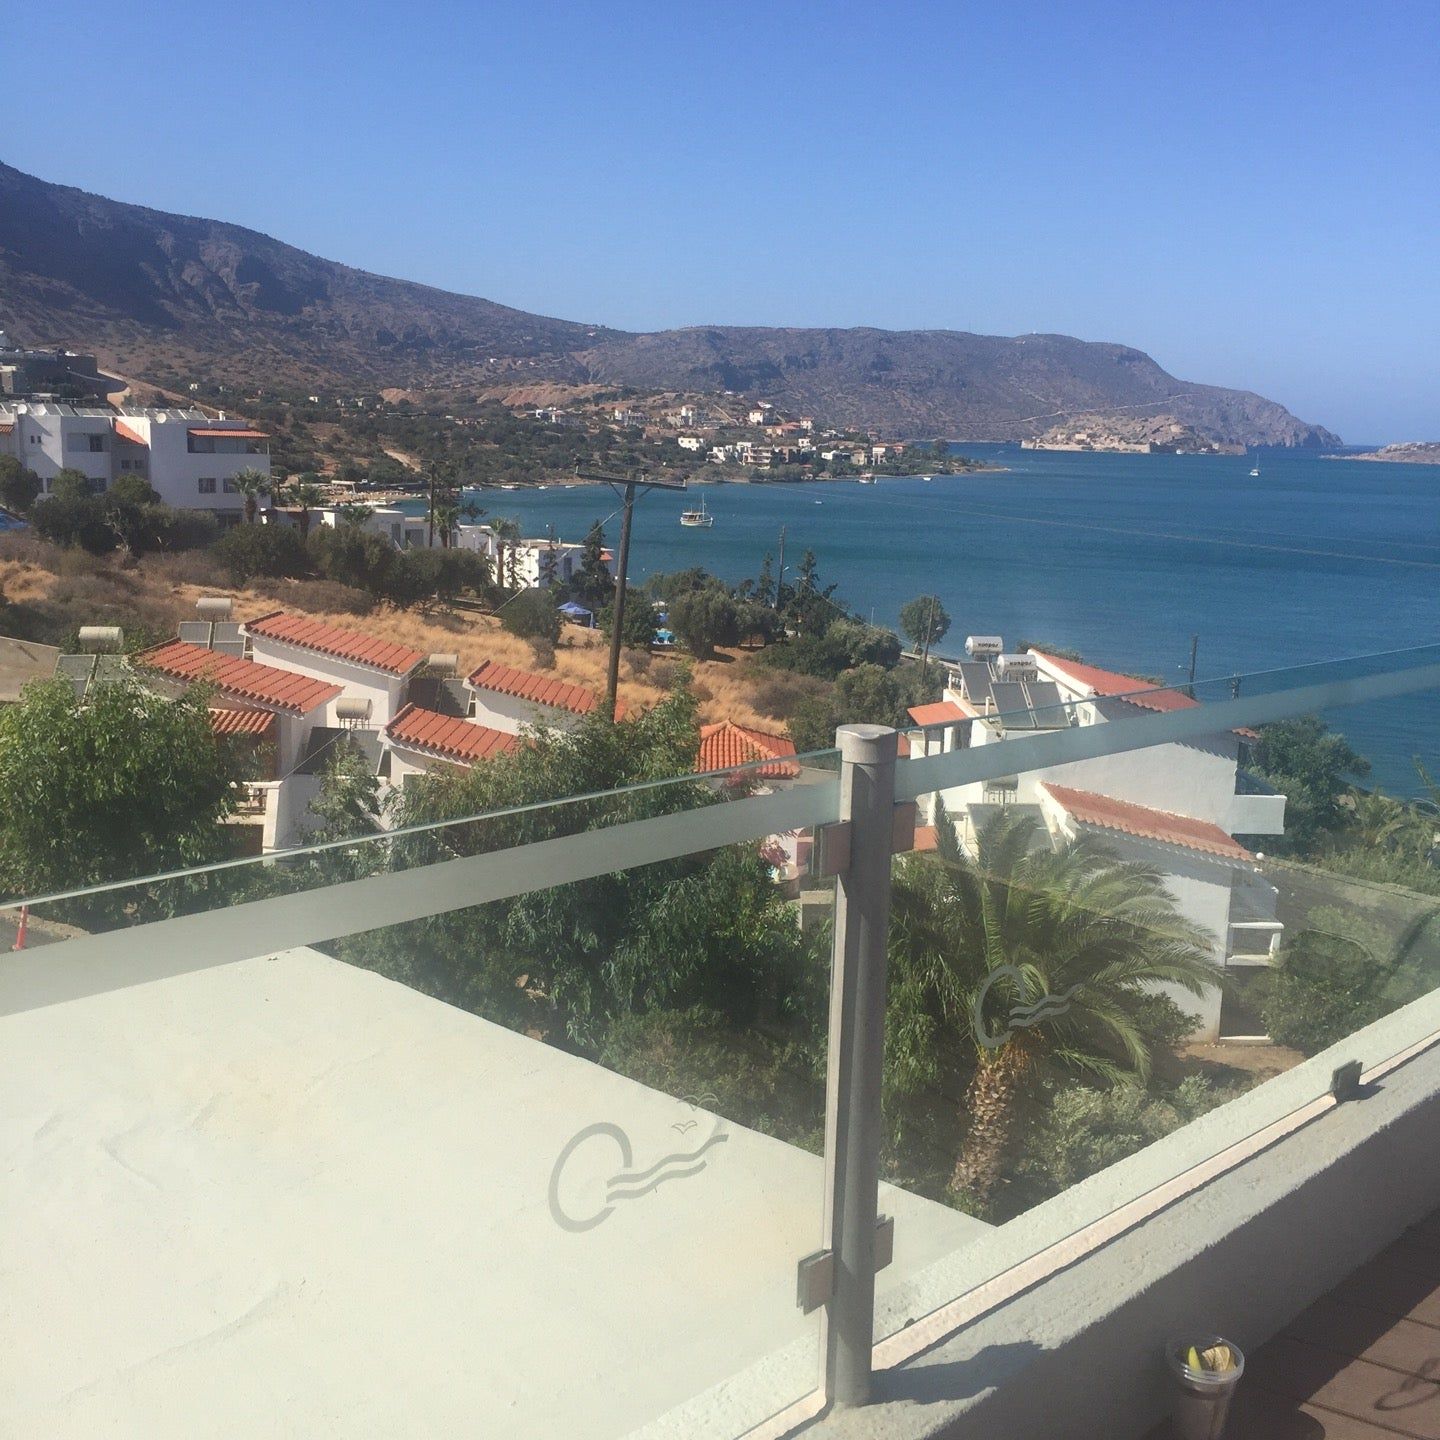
866, 479
700, 519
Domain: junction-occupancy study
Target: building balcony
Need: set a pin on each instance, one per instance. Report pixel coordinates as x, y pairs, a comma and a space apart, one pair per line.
374, 1138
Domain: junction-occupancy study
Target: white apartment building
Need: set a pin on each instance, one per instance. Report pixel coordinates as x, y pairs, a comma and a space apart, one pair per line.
188, 457
528, 564
1175, 806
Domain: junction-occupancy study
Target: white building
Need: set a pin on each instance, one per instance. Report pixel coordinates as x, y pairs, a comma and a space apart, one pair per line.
278, 709
1177, 806
363, 669
506, 699
188, 458
691, 442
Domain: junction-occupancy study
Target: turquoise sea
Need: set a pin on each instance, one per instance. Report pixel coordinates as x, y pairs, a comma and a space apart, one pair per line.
1122, 558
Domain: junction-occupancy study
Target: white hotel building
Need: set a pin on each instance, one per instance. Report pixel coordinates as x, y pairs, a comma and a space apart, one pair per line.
1176, 807
188, 457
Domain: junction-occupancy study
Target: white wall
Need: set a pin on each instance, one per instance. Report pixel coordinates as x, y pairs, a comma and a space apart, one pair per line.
385, 692
509, 713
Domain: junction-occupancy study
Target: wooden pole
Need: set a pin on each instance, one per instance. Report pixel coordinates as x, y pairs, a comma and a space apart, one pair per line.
612, 676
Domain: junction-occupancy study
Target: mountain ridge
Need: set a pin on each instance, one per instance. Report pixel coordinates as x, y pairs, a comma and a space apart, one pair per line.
162, 295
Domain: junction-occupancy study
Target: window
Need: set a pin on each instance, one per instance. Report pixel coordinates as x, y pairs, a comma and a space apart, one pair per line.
207, 484
229, 486
97, 444
201, 445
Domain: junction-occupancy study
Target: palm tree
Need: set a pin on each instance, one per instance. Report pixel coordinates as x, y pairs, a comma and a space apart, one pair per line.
1077, 935
306, 495
506, 533
252, 484
446, 520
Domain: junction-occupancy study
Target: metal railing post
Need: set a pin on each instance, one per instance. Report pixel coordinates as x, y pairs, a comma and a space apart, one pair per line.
856, 1055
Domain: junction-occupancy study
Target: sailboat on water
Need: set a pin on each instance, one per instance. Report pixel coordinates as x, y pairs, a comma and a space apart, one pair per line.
1255, 473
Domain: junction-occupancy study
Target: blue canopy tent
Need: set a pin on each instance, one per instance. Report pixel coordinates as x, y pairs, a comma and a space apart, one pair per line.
578, 613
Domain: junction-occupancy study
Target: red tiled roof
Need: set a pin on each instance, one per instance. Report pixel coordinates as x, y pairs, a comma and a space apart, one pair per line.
726, 745
126, 433
1108, 682
242, 722
448, 735
245, 679
7, 427
942, 712
1107, 813
927, 839
343, 644
229, 434
540, 689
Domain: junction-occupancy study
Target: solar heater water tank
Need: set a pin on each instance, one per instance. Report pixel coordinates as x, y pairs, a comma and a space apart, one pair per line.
352, 709
102, 639
214, 607
1017, 667
983, 647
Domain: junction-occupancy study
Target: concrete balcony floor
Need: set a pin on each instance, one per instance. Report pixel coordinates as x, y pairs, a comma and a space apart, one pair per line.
1362, 1363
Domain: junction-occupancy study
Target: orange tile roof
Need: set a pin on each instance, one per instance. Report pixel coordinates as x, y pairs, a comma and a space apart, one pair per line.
350, 645
540, 689
242, 722
927, 839
232, 433
942, 712
126, 433
1108, 682
448, 735
245, 679
725, 745
1107, 813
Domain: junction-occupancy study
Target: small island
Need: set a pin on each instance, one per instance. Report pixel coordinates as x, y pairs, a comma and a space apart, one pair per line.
1130, 435
1409, 452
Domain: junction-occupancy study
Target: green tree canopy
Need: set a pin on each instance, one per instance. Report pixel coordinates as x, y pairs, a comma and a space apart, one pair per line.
1312, 767
565, 962
639, 622
125, 784
704, 619
133, 490
71, 484
924, 622
19, 487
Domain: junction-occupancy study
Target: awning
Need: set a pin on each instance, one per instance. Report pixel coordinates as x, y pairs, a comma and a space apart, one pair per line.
228, 434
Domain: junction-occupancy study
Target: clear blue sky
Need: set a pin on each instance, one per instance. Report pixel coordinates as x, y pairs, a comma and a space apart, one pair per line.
1248, 191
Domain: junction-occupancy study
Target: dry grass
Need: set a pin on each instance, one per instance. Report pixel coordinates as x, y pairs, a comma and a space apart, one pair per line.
75, 589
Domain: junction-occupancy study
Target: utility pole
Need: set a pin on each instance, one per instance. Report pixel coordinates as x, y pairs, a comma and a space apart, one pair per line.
625, 486
780, 578
929, 626
1194, 651
430, 532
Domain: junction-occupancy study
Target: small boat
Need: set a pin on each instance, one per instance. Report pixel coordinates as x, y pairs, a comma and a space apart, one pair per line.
1255, 473
866, 479
700, 519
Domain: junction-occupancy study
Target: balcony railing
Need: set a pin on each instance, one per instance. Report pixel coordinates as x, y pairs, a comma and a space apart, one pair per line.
283, 1156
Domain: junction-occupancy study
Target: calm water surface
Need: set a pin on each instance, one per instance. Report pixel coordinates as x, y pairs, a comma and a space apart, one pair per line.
1122, 558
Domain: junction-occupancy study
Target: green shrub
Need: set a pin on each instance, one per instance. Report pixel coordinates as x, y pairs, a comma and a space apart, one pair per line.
532, 615
1335, 976
249, 550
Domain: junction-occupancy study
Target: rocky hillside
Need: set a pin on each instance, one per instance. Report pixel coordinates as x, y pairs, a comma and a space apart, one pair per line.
160, 295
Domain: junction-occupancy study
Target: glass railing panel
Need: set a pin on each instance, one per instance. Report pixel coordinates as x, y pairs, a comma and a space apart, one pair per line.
1108, 971
582, 1120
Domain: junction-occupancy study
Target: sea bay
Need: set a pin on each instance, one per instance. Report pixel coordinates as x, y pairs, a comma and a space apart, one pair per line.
1120, 557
